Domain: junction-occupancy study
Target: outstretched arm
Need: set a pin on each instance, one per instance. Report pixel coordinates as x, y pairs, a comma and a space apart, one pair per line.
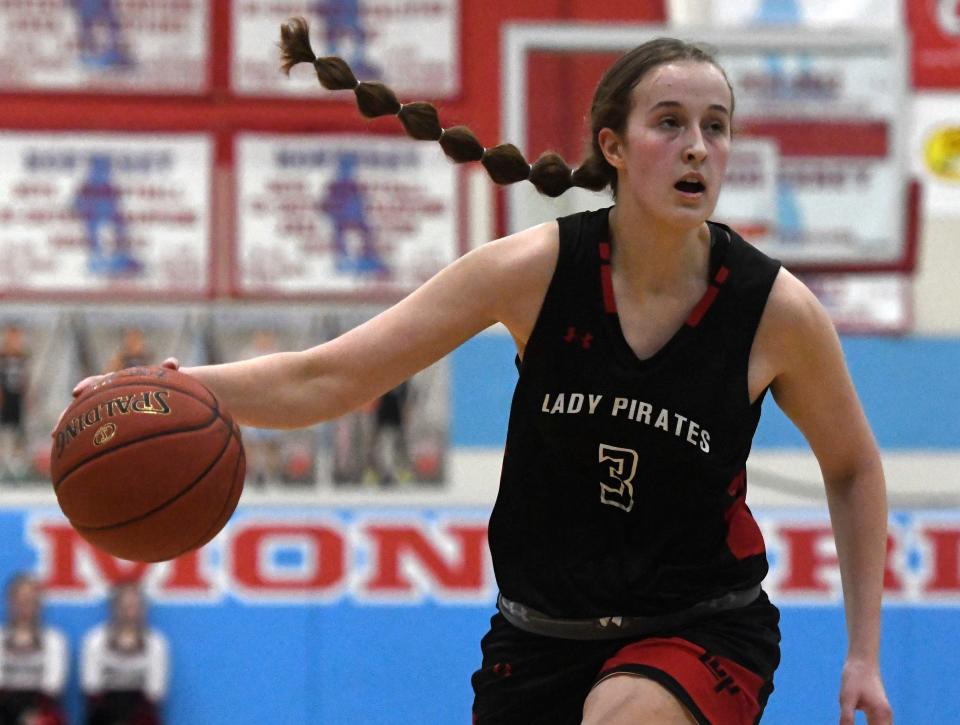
502, 281
812, 386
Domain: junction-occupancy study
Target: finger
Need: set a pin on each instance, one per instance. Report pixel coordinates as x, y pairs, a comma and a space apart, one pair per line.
56, 425
172, 363
84, 384
879, 715
847, 710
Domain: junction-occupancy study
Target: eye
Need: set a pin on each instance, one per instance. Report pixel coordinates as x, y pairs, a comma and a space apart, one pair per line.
718, 127
669, 122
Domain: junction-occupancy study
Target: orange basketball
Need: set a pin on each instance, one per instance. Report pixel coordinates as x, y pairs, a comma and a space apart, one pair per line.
147, 465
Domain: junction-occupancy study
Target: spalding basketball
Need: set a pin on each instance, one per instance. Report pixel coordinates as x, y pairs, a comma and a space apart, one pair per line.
147, 465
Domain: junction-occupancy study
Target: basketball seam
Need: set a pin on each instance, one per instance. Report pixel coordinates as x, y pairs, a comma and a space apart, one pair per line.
216, 524
183, 492
106, 451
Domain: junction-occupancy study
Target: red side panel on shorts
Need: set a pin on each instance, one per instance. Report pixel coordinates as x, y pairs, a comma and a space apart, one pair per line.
715, 690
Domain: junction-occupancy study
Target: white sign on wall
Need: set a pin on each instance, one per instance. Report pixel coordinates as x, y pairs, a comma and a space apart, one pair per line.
749, 199
105, 214
818, 114
413, 47
105, 45
865, 303
809, 13
334, 214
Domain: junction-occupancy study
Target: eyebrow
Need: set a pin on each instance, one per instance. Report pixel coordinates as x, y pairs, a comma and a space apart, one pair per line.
675, 104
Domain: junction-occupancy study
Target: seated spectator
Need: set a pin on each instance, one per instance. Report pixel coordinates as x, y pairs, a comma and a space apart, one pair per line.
33, 659
125, 664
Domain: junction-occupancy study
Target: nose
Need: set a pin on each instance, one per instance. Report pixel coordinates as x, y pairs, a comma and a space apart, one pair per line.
696, 148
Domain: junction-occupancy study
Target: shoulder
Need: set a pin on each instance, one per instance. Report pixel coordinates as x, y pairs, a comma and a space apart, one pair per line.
795, 327
516, 272
520, 267
525, 252
793, 308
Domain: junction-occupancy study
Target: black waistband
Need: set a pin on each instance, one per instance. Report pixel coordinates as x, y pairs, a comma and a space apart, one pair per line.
615, 627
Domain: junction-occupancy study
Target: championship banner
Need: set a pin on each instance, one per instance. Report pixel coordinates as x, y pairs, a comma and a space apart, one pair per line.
807, 13
935, 151
413, 47
104, 215
344, 215
935, 42
105, 45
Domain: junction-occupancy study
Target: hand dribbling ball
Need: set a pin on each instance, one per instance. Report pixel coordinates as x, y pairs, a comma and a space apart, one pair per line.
147, 465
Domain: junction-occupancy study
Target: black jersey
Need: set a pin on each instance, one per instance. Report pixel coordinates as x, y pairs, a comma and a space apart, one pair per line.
623, 483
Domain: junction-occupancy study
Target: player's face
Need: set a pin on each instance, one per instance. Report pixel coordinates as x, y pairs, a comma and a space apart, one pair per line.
677, 142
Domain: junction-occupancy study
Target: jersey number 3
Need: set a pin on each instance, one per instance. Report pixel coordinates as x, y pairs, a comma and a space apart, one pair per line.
618, 490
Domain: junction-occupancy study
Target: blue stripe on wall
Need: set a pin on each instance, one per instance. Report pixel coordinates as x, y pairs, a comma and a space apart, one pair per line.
909, 388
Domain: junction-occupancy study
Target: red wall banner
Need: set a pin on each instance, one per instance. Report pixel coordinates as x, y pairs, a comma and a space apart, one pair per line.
935, 27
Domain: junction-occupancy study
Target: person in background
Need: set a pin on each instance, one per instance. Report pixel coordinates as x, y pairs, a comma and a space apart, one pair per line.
14, 362
388, 457
33, 659
125, 664
132, 353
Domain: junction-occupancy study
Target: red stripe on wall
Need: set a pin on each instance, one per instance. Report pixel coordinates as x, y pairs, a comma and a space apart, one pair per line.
824, 138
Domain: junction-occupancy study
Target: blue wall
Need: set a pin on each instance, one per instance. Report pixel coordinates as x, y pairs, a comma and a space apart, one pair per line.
909, 388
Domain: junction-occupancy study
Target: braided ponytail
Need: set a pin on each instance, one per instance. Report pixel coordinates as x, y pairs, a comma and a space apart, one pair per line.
504, 163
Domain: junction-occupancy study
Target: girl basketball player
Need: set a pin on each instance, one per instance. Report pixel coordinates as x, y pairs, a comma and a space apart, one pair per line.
628, 563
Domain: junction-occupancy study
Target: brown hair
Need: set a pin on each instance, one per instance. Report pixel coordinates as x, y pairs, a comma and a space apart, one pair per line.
504, 163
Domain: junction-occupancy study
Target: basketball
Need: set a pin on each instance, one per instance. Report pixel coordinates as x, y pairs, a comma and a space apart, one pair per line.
147, 465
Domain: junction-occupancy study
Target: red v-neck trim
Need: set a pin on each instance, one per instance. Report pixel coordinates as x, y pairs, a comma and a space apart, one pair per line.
722, 272
606, 278
699, 310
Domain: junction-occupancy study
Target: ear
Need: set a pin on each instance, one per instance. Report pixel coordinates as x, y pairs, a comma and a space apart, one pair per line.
612, 147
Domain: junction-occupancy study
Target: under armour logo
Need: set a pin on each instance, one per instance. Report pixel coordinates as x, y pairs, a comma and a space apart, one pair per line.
607, 621
502, 669
585, 339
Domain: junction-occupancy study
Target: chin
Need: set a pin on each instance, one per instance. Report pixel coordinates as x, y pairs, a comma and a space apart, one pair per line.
687, 218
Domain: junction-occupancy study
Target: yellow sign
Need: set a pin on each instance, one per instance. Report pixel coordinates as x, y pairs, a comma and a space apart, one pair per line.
941, 151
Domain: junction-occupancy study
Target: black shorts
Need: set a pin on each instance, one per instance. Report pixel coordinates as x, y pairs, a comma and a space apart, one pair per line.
721, 667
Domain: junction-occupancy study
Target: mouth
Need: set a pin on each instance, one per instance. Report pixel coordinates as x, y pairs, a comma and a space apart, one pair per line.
690, 187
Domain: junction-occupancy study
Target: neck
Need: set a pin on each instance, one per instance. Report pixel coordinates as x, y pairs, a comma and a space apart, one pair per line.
656, 257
